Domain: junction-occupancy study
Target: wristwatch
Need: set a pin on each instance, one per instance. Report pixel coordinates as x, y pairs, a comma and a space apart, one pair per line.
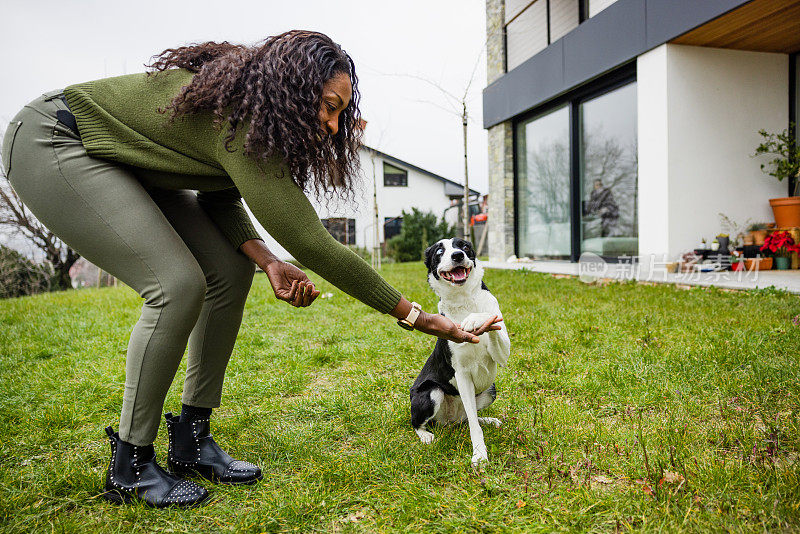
408, 322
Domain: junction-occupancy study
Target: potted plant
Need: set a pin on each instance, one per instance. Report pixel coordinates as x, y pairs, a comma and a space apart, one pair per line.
758, 233
736, 232
758, 264
724, 241
785, 164
781, 245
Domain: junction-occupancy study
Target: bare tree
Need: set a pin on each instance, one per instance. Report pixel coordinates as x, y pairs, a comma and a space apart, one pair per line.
17, 219
458, 107
456, 104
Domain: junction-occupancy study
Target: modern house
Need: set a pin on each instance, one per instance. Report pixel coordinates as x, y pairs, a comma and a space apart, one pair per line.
625, 127
398, 186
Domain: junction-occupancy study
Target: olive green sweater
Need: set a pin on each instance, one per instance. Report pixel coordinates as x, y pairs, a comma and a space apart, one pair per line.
118, 120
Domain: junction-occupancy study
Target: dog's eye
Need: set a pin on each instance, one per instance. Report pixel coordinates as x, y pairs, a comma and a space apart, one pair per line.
439, 252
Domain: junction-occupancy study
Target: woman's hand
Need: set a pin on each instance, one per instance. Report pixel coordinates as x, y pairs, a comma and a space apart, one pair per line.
291, 284
440, 326
288, 282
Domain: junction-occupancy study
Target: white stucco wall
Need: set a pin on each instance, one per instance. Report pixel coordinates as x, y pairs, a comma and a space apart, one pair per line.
423, 192
699, 112
653, 125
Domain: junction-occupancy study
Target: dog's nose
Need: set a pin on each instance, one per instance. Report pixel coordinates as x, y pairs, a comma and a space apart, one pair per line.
458, 255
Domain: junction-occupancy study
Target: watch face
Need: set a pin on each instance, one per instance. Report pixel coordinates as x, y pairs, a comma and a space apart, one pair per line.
405, 325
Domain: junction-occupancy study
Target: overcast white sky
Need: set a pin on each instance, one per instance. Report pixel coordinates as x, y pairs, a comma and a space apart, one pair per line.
47, 45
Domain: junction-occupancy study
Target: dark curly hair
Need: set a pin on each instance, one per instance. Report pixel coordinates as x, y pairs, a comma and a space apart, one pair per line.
275, 90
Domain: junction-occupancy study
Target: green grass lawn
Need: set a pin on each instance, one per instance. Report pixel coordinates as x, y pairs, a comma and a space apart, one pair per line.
625, 407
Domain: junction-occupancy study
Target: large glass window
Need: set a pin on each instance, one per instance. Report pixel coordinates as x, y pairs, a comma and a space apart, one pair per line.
532, 25
596, 6
564, 17
526, 34
543, 186
391, 227
609, 174
394, 176
576, 174
794, 105
344, 230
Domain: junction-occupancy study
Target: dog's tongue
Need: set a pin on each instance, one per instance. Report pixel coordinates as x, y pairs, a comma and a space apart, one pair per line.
458, 274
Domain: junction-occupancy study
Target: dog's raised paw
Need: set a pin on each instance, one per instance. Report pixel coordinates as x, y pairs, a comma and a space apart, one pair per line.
490, 421
474, 321
424, 436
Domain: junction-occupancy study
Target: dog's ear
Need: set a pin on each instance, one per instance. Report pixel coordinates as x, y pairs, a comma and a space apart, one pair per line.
429, 255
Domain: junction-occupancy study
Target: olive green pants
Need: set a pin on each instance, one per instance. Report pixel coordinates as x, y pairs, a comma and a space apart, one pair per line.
159, 242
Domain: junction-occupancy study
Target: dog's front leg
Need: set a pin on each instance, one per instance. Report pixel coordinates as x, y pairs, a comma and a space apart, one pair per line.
466, 390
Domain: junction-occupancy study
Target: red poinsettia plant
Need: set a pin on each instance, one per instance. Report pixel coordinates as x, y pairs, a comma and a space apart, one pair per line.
780, 244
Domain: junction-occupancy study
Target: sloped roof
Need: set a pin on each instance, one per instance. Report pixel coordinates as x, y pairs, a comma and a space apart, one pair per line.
450, 186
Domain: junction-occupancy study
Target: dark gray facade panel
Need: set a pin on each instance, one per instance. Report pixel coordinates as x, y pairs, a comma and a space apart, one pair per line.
667, 19
616, 35
545, 78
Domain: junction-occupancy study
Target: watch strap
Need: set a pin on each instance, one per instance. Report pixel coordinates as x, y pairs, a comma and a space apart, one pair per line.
411, 318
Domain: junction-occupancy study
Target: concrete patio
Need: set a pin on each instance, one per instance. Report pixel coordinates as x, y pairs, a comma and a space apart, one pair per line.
786, 280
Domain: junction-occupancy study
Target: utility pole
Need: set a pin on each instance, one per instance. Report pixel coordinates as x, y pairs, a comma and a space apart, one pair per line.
376, 246
452, 107
466, 171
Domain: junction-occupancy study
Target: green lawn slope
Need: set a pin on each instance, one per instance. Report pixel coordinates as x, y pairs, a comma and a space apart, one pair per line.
625, 407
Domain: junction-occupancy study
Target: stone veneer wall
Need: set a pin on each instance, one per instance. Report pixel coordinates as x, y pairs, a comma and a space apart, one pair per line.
501, 150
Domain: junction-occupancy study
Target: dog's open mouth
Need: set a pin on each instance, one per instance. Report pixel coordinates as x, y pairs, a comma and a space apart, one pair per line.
456, 276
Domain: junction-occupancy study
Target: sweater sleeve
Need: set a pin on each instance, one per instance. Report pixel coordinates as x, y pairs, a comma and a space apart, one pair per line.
286, 213
225, 208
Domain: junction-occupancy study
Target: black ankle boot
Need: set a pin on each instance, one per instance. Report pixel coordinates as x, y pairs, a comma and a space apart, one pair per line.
134, 475
192, 450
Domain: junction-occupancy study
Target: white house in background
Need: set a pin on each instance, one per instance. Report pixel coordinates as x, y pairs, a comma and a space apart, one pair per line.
624, 127
400, 186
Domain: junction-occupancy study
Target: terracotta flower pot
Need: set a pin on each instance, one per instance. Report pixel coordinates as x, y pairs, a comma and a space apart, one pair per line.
758, 237
758, 264
786, 211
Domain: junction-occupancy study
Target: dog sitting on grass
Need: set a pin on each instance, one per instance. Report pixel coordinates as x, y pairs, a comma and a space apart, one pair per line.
458, 378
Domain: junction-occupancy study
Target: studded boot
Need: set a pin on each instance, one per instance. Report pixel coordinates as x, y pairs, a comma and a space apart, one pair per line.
134, 475
192, 450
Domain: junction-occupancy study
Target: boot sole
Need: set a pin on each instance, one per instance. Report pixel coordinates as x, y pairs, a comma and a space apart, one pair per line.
207, 473
117, 497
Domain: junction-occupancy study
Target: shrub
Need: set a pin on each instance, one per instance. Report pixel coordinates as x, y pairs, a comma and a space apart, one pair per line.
786, 155
420, 229
20, 276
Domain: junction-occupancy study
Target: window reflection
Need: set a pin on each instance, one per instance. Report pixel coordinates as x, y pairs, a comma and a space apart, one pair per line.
609, 174
543, 191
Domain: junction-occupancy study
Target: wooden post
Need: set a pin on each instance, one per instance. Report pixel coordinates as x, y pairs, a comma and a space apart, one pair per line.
466, 173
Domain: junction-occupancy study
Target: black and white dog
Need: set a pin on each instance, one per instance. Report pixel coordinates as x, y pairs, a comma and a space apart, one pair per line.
458, 378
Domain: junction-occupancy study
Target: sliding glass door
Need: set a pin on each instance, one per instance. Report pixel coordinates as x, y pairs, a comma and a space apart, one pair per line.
609, 174
576, 175
543, 186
